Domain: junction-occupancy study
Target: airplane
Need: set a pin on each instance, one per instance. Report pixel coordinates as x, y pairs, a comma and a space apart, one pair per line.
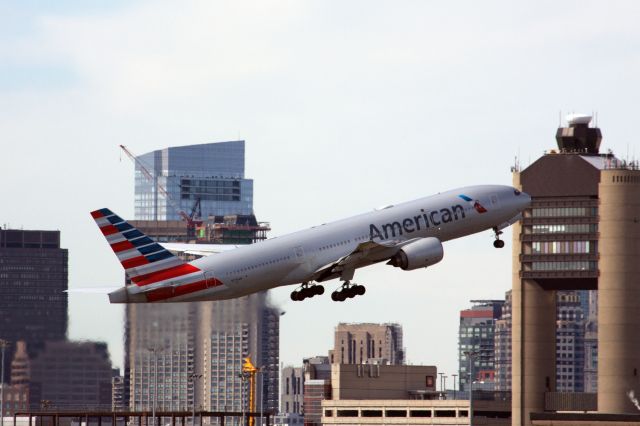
407, 236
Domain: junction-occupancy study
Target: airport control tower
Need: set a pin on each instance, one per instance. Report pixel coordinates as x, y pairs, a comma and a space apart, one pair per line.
582, 232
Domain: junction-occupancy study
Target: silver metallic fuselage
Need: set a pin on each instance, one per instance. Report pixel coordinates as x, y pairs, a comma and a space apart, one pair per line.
294, 258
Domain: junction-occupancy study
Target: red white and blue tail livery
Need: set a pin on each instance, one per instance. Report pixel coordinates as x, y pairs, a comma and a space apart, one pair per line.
157, 273
407, 235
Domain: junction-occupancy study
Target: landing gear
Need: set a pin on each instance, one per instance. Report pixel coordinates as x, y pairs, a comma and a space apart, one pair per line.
348, 291
306, 291
498, 243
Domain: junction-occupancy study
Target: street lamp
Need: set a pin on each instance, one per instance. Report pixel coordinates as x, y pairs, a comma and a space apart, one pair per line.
3, 346
471, 355
444, 379
261, 371
454, 385
193, 378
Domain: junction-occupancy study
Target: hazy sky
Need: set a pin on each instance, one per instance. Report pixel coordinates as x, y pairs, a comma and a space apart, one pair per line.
345, 106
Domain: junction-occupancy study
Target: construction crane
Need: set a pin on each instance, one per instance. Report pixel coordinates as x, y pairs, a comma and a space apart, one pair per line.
189, 218
249, 373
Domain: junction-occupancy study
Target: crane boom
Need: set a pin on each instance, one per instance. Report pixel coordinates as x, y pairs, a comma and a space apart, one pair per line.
191, 224
249, 370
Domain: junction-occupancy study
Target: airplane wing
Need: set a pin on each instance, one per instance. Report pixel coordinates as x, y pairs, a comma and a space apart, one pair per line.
365, 253
198, 249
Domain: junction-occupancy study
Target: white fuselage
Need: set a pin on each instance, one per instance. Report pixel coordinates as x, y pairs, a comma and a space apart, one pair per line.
294, 258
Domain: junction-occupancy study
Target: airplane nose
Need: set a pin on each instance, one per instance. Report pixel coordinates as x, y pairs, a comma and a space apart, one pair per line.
524, 199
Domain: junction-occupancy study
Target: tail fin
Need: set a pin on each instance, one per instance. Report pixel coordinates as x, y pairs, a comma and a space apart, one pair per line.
144, 260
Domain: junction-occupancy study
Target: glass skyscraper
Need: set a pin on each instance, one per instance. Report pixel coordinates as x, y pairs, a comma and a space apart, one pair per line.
211, 173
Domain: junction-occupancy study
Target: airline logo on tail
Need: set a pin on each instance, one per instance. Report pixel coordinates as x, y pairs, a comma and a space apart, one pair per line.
156, 271
476, 204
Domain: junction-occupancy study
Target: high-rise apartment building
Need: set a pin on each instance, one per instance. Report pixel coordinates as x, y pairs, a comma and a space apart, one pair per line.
580, 233
502, 356
591, 345
160, 354
229, 331
476, 336
207, 176
195, 351
368, 343
174, 343
33, 281
117, 394
576, 343
570, 341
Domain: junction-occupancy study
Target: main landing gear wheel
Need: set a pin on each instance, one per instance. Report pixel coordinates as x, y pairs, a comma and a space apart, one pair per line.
348, 291
498, 243
306, 291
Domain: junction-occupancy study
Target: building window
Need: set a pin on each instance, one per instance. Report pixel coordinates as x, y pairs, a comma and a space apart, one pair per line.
564, 266
429, 381
395, 413
564, 212
564, 247
579, 228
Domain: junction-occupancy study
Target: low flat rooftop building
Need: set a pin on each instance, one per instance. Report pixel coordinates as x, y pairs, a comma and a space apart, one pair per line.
414, 412
374, 381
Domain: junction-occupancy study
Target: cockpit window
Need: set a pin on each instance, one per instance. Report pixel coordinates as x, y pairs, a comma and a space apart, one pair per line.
515, 191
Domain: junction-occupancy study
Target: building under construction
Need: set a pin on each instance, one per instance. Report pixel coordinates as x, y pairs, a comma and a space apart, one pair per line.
229, 229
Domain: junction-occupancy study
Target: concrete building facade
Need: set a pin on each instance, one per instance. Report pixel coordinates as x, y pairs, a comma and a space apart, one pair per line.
368, 343
375, 381
292, 390
414, 412
582, 232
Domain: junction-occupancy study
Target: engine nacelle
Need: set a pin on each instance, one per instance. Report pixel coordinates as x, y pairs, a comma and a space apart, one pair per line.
418, 254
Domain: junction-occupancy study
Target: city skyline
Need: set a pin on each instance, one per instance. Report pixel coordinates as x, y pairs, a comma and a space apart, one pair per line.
338, 109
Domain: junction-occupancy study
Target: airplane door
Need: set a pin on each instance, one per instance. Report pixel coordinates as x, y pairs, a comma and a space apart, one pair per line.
298, 254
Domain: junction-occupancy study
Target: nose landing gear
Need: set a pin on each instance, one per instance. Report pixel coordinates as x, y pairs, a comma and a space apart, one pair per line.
348, 290
306, 291
498, 243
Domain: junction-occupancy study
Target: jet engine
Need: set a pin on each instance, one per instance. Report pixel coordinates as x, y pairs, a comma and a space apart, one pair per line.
418, 254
